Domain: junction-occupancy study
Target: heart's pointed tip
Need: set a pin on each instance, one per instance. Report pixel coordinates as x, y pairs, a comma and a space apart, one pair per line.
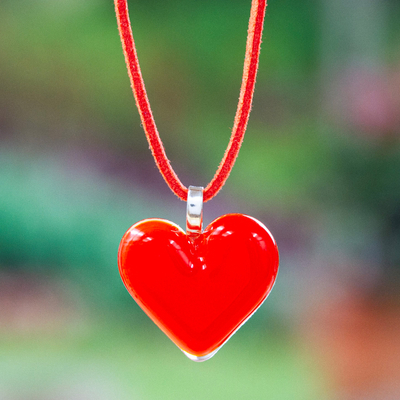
200, 358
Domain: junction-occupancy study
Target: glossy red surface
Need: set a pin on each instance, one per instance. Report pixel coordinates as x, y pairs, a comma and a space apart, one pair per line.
199, 293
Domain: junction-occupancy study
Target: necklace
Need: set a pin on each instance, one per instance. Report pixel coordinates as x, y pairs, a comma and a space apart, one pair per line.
199, 287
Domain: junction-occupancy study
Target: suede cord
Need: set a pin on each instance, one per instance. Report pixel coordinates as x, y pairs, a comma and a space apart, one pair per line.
254, 36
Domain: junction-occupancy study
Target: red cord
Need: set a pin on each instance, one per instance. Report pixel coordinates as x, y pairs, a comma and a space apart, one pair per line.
253, 45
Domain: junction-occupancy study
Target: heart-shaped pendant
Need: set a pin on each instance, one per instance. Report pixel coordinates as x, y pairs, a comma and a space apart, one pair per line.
199, 289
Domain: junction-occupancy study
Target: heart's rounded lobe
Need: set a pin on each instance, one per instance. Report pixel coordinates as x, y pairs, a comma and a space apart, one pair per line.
199, 291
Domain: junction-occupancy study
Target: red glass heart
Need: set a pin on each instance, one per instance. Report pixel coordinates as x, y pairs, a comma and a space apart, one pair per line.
199, 292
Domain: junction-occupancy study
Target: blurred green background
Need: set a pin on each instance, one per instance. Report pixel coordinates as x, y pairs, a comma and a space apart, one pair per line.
320, 166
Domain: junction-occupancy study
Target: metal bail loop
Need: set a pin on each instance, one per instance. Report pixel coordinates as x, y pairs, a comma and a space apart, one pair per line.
194, 213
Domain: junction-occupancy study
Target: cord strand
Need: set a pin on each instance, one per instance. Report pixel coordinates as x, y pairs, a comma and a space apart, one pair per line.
254, 36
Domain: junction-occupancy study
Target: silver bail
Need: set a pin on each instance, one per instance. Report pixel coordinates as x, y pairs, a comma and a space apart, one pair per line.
194, 213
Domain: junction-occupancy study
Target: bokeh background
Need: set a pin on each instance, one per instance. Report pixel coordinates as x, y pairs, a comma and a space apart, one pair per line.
319, 166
